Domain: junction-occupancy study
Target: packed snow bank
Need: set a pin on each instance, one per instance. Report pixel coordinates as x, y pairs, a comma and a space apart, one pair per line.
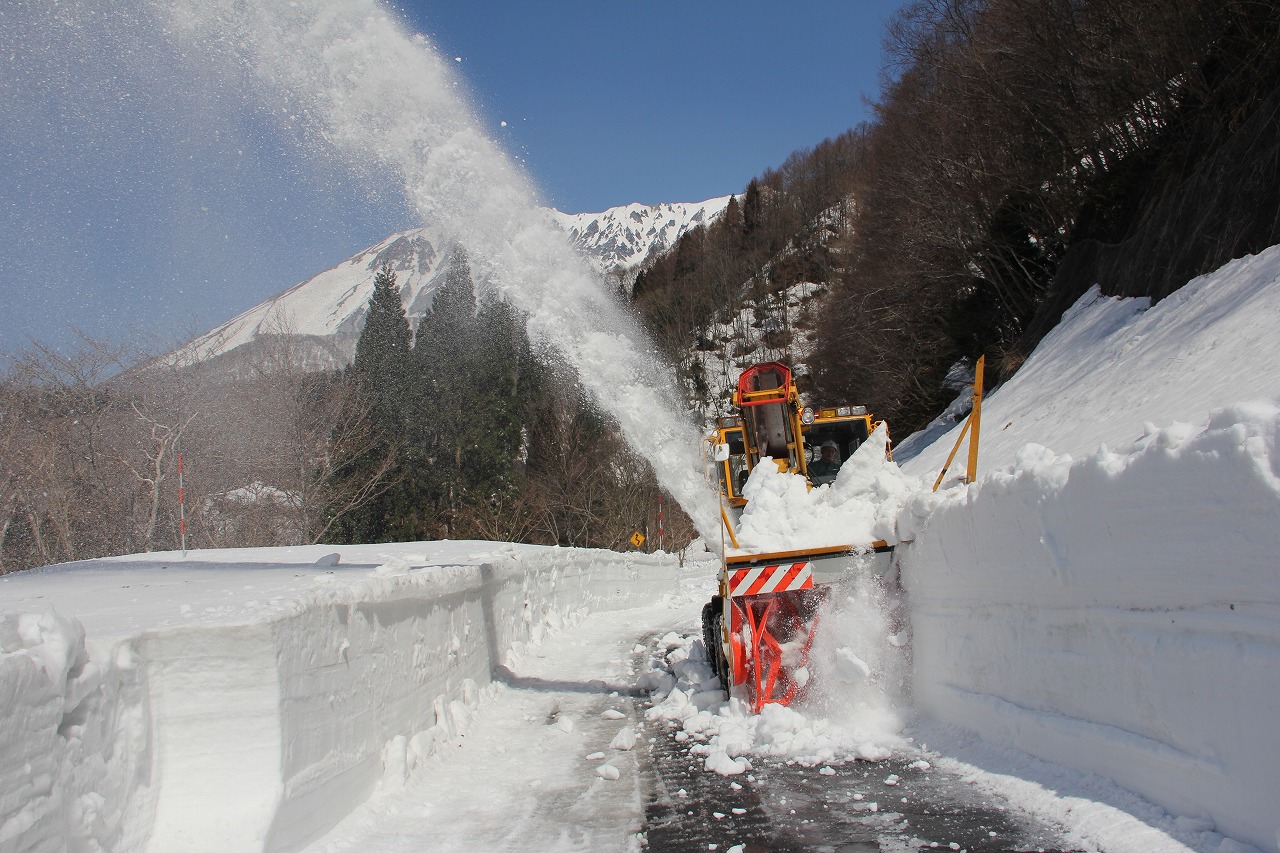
1119, 612
260, 696
74, 758
1057, 607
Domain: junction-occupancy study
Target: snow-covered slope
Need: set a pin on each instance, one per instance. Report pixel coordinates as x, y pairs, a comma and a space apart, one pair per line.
326, 312
623, 238
1115, 367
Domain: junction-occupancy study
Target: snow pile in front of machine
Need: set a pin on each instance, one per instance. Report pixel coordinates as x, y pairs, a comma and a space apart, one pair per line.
860, 507
860, 667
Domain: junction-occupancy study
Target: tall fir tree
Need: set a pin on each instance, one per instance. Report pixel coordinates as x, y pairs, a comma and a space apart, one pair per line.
455, 404
443, 420
475, 370
505, 385
383, 369
382, 359
441, 354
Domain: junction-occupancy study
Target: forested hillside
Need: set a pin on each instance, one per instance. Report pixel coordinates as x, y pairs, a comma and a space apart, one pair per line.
458, 430
478, 436
1021, 151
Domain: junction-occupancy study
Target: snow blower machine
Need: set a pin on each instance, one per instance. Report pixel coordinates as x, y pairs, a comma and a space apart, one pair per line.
760, 627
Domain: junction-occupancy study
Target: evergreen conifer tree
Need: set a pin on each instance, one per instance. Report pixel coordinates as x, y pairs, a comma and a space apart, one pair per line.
455, 404
504, 386
382, 353
468, 428
442, 349
752, 208
383, 370
443, 419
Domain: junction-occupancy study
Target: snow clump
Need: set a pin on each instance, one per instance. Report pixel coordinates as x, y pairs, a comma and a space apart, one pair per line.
859, 508
687, 693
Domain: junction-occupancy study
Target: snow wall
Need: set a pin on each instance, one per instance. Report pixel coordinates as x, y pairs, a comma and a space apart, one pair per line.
285, 723
1119, 614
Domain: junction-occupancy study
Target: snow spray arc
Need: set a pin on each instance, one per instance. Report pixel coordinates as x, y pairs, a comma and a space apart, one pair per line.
361, 86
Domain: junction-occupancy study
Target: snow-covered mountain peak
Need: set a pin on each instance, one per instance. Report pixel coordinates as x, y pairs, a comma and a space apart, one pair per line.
623, 238
324, 314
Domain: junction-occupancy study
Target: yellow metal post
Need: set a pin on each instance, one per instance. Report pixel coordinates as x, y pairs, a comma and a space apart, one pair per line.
724, 516
975, 421
951, 458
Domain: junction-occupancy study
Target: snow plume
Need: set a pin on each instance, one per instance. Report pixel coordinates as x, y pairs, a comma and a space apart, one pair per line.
860, 661
859, 658
356, 83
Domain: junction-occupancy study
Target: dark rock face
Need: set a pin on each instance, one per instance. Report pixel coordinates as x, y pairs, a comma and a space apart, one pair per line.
1227, 208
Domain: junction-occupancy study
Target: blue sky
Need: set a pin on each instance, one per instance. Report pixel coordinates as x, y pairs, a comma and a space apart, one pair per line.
137, 203
610, 103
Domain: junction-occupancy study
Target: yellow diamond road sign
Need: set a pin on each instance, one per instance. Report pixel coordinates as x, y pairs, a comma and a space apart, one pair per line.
637, 539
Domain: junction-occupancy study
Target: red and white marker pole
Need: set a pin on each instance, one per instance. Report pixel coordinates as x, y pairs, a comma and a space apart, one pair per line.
182, 508
661, 537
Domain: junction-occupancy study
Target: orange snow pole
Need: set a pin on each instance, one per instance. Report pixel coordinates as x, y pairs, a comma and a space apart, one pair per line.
975, 421
952, 456
182, 508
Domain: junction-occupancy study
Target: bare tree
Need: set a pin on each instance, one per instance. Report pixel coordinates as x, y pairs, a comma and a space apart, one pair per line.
158, 464
295, 451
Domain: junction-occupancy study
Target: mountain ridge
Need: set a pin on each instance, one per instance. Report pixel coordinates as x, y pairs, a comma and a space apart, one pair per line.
324, 314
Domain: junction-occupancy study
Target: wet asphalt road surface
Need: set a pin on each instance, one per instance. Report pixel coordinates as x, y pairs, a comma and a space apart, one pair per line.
786, 807
780, 807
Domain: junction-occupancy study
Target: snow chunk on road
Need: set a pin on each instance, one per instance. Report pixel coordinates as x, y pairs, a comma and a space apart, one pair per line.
624, 739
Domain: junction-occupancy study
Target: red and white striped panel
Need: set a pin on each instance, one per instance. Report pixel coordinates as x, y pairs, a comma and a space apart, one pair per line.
779, 578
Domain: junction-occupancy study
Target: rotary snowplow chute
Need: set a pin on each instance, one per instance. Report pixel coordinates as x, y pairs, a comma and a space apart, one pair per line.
759, 629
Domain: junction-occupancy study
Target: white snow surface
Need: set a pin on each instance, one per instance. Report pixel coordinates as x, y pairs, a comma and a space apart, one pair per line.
248, 699
854, 710
625, 237
1106, 595
859, 508
1115, 369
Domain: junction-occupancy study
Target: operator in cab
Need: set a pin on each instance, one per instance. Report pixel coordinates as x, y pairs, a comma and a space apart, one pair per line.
824, 469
